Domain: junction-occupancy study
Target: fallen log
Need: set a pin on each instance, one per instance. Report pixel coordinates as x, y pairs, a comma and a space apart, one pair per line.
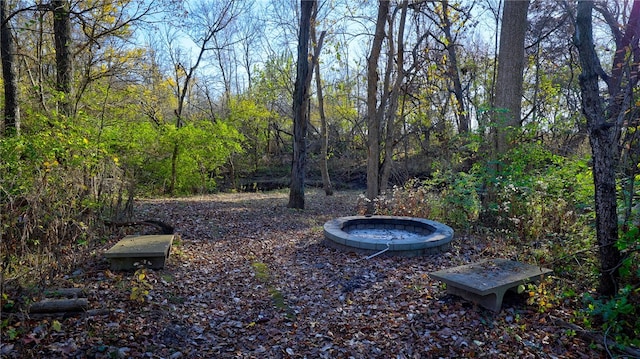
65, 293
59, 305
19, 317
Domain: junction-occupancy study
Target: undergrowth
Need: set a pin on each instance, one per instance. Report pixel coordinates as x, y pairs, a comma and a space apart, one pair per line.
55, 189
540, 209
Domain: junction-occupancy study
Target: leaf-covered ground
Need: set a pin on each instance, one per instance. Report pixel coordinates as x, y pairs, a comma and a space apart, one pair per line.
251, 278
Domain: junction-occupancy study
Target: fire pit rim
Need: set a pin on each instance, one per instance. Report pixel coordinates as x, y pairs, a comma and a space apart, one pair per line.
436, 238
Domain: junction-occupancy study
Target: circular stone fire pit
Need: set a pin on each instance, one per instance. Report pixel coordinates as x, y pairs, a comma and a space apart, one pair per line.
405, 236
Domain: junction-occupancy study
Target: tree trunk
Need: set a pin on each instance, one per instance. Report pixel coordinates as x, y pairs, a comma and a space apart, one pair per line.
301, 108
174, 169
324, 133
373, 113
605, 119
62, 39
59, 305
604, 177
394, 95
454, 74
508, 100
11, 121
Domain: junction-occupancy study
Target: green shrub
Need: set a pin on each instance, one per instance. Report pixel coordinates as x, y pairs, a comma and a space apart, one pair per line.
537, 194
618, 315
53, 186
447, 197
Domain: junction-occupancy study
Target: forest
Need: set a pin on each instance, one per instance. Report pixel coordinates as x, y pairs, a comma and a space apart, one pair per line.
514, 122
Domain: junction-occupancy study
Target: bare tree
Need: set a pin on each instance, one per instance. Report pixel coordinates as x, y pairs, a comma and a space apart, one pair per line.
453, 71
606, 116
324, 133
301, 107
374, 113
251, 32
102, 42
211, 19
446, 16
392, 93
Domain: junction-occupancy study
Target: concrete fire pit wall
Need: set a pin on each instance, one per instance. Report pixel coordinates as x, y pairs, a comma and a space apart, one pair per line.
430, 237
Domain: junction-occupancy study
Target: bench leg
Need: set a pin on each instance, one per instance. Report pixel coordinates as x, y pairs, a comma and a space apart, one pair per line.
491, 301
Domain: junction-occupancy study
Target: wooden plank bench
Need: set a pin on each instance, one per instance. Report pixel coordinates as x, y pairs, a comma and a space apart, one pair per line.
486, 282
151, 251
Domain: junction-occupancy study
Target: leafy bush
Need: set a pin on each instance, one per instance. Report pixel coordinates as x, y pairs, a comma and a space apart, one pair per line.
145, 152
53, 184
619, 315
447, 197
537, 195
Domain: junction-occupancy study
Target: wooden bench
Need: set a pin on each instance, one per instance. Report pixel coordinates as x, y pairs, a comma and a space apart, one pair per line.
486, 283
148, 251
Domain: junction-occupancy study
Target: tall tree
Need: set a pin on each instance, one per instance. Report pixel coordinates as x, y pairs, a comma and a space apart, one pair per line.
453, 71
606, 117
324, 132
211, 19
451, 20
301, 107
251, 33
392, 92
374, 113
511, 61
11, 124
63, 41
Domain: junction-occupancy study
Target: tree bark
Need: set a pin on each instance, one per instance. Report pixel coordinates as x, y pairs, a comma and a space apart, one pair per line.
11, 120
605, 119
174, 169
394, 95
373, 113
507, 94
604, 178
59, 305
11, 123
454, 74
324, 133
508, 100
301, 108
62, 40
